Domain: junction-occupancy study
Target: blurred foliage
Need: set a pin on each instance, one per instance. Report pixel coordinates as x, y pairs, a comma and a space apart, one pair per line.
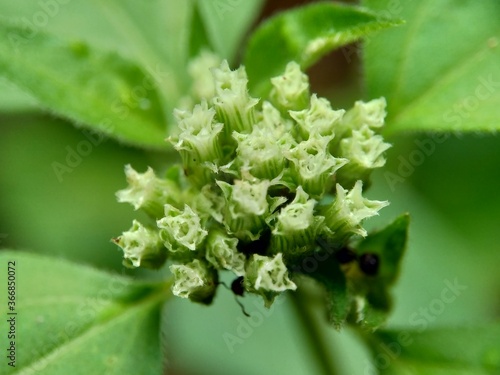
433, 77
97, 333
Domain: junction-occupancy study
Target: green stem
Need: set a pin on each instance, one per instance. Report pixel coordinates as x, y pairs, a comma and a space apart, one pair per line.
313, 331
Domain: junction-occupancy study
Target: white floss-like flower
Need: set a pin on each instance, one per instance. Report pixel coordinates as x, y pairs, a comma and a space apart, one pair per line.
291, 89
142, 247
223, 254
370, 113
344, 215
246, 207
181, 230
365, 151
313, 165
296, 225
198, 142
148, 192
195, 280
318, 118
234, 106
364, 148
202, 86
267, 276
261, 151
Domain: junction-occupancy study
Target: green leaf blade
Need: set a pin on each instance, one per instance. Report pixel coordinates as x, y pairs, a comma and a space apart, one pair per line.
99, 90
389, 245
305, 35
226, 23
438, 78
198, 38
73, 319
157, 35
437, 351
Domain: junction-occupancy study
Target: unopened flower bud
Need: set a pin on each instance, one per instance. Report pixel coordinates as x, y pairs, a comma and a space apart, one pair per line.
142, 247
267, 276
148, 192
181, 231
195, 280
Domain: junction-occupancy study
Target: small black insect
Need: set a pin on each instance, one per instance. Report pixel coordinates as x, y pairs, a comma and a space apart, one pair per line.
369, 263
237, 286
256, 247
238, 289
345, 255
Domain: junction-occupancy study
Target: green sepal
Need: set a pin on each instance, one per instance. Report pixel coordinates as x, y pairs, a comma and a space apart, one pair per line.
389, 246
328, 273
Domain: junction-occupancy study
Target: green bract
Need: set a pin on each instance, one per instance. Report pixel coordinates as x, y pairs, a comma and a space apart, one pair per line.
262, 181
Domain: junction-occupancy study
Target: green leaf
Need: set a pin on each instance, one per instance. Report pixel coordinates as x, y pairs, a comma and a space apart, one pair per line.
157, 33
346, 283
305, 35
227, 22
12, 99
439, 351
100, 90
198, 38
72, 319
433, 75
388, 245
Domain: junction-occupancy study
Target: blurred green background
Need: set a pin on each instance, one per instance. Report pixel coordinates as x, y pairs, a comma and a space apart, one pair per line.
453, 197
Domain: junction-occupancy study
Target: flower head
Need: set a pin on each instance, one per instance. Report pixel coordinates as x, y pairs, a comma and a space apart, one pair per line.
261, 181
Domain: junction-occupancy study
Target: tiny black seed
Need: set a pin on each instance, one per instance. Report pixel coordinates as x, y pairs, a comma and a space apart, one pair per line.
369, 263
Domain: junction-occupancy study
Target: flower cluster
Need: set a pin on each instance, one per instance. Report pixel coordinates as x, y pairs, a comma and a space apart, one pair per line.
260, 181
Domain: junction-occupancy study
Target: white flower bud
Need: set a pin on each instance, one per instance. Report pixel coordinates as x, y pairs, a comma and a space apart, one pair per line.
267, 276
148, 192
141, 247
194, 280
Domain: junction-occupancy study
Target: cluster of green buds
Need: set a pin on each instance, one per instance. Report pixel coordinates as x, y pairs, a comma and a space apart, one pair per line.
260, 182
